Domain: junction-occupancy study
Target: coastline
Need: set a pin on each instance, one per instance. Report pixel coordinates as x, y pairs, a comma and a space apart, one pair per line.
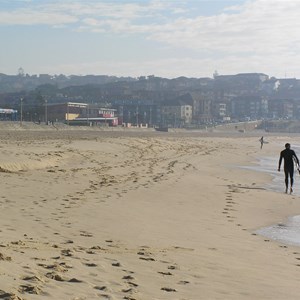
286, 232
142, 216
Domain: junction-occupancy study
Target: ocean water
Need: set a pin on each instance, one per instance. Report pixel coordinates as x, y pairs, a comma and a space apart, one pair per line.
269, 165
287, 232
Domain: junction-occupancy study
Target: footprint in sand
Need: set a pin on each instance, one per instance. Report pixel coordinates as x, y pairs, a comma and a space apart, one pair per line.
75, 280
127, 290
128, 277
29, 289
167, 289
5, 258
31, 279
165, 273
132, 284
147, 258
86, 234
183, 282
66, 252
91, 265
9, 296
69, 242
100, 288
54, 276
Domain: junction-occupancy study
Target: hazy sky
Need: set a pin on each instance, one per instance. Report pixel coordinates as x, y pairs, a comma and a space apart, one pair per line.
191, 38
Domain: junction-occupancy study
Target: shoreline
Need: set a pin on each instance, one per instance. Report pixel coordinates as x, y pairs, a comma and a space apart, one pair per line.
160, 216
287, 231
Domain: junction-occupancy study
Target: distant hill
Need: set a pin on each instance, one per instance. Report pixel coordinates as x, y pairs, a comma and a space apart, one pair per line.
21, 82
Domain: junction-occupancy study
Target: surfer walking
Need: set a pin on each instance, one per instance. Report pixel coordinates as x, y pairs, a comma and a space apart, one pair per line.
288, 155
261, 142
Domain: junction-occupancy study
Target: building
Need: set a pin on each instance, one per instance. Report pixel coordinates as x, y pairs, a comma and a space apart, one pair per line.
138, 115
73, 113
281, 108
176, 114
254, 107
202, 106
7, 114
220, 111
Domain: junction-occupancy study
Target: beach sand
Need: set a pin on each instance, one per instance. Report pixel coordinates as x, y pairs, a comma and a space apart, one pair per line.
141, 215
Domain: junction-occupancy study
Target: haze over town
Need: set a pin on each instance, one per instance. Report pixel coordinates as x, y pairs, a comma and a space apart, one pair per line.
165, 38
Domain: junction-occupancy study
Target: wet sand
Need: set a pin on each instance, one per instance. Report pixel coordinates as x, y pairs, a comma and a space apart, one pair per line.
288, 231
144, 215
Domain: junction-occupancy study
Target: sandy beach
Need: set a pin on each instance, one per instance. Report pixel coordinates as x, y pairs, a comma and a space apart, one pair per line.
89, 214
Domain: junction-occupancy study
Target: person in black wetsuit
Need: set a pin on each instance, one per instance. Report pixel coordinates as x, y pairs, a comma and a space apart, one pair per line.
261, 142
288, 155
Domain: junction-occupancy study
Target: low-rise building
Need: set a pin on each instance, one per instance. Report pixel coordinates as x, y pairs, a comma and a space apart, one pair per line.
74, 113
8, 114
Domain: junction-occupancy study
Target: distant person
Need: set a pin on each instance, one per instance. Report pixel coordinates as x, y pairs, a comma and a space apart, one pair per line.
288, 155
261, 142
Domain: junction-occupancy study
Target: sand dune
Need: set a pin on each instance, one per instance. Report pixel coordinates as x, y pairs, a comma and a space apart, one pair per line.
97, 215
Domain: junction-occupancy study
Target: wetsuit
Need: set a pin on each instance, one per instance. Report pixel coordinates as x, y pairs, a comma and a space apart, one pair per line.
288, 155
261, 142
